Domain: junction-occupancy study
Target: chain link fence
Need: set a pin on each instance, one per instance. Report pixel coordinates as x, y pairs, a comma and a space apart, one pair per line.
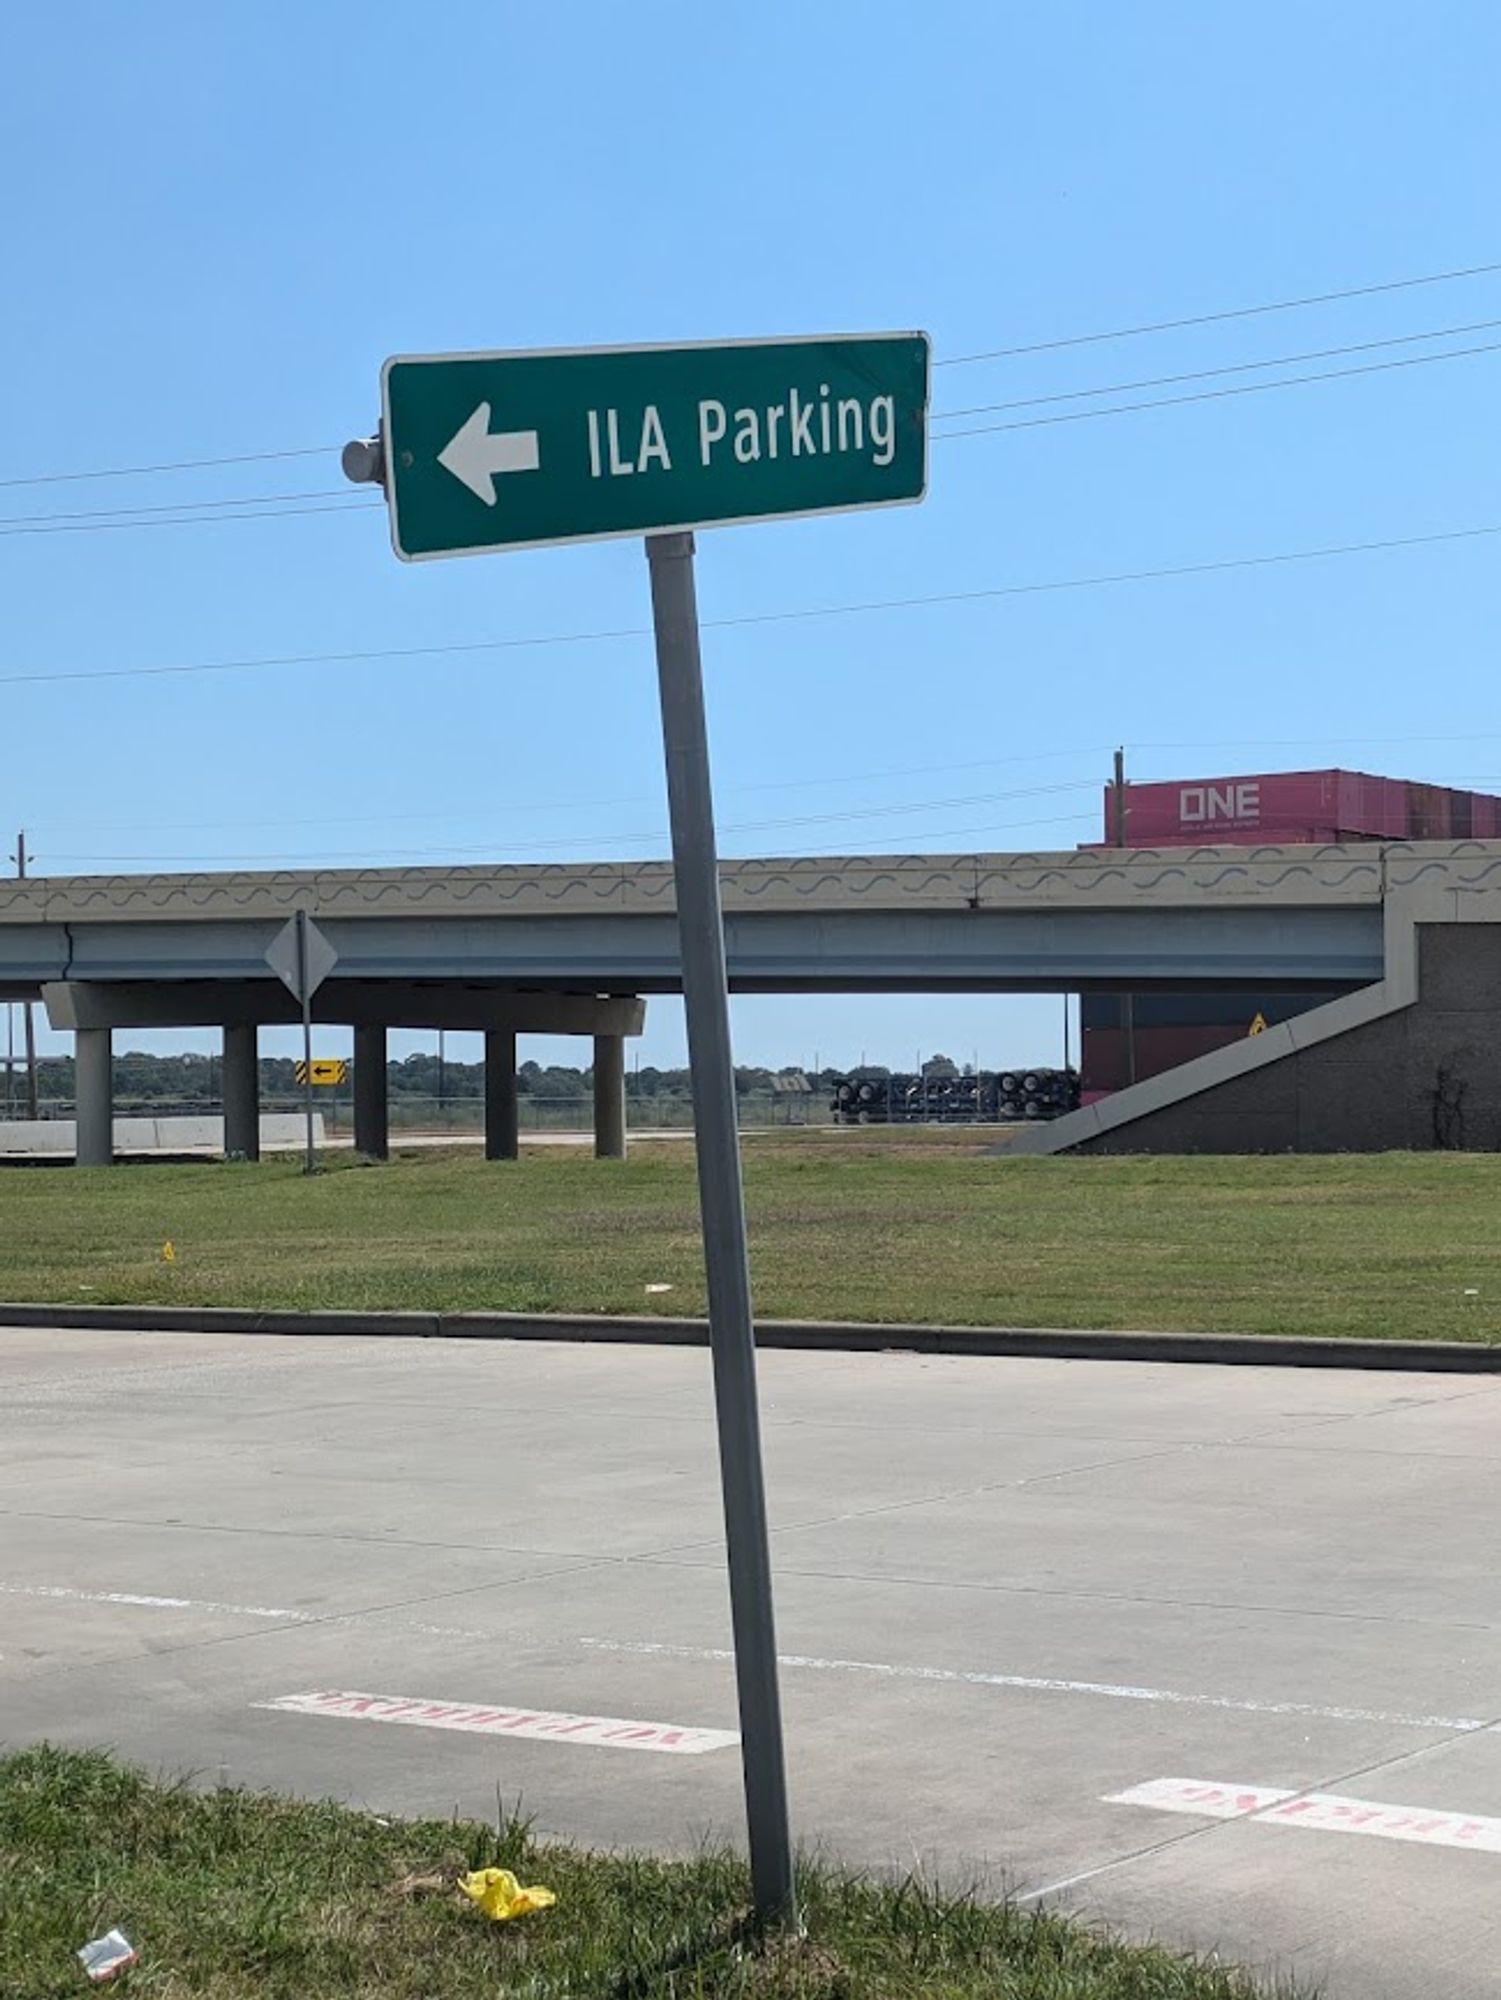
461, 1116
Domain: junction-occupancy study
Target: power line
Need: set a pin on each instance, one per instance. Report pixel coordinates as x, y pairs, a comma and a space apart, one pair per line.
72, 828
1182, 858
1217, 395
1315, 742
75, 827
495, 853
171, 465
350, 506
113, 516
191, 509
1105, 580
400, 857
1213, 318
105, 520
493, 848
945, 361
1207, 374
182, 506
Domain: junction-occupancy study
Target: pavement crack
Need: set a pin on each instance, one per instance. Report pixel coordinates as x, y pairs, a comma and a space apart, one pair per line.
1116, 1861
1324, 1783
915, 1500
287, 1534
669, 1559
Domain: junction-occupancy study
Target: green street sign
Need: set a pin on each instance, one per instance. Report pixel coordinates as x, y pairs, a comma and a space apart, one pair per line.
508, 451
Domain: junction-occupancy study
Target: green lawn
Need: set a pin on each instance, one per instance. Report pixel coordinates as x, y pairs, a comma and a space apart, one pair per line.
230, 1896
886, 1226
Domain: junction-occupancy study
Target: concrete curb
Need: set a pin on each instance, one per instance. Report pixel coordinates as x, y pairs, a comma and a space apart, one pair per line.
827, 1336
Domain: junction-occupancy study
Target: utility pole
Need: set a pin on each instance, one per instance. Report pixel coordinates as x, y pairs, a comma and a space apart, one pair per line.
33, 1110
1128, 1000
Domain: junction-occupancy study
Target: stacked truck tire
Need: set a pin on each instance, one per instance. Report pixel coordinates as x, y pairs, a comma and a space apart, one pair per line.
994, 1097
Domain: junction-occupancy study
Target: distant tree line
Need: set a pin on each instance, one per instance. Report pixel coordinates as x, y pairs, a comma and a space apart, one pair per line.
195, 1079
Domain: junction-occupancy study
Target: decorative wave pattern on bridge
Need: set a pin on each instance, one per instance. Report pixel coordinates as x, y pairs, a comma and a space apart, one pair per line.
1106, 877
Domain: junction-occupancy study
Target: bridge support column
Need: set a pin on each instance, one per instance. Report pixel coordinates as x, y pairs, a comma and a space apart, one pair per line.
502, 1115
609, 1097
242, 1092
372, 1134
94, 1089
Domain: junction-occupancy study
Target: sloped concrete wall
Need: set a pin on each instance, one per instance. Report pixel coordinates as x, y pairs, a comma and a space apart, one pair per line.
1426, 1075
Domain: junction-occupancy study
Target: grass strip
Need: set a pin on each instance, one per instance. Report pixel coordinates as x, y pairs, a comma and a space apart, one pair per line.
881, 1227
229, 1895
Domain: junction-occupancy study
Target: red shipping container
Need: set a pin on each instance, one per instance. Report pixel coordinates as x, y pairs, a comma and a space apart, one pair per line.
1299, 806
1313, 807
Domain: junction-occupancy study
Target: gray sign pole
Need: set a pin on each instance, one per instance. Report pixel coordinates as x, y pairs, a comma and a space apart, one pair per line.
302, 958
305, 995
722, 1204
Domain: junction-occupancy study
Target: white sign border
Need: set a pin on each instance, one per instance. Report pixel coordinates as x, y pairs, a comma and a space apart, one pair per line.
635, 347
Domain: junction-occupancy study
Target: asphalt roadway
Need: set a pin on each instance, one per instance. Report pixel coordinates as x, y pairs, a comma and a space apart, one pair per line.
1010, 1591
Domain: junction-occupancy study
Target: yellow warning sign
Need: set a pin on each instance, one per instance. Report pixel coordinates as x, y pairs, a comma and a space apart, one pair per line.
325, 1069
1257, 1027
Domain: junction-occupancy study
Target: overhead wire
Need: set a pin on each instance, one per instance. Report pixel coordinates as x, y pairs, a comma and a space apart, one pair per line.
1215, 318
179, 506
259, 507
1218, 395
274, 506
992, 593
944, 361
75, 827
1306, 742
170, 465
186, 520
731, 828
493, 849
362, 857
635, 838
1208, 374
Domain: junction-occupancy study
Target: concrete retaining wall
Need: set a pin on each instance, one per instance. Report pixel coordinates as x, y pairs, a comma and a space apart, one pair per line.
1425, 1076
57, 1138
1413, 1062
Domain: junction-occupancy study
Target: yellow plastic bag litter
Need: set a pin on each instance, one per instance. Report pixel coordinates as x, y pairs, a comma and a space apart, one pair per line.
501, 1896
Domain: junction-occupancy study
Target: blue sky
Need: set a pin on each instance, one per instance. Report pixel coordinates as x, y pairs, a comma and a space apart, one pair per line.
222, 219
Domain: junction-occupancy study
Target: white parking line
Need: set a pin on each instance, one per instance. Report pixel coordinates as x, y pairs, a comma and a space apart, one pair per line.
876, 1669
1324, 1812
611, 1732
1040, 1684
140, 1602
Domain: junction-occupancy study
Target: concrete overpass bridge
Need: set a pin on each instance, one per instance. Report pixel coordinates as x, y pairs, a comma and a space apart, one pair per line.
574, 949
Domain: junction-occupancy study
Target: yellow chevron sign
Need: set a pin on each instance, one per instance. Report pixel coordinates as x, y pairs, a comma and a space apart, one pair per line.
325, 1069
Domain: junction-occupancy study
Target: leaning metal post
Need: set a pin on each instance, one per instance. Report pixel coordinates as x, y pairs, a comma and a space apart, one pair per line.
722, 1202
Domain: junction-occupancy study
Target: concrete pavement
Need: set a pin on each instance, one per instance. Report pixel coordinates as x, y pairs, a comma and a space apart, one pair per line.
1010, 1591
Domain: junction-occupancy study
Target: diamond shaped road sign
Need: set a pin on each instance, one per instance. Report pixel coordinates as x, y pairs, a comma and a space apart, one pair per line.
282, 956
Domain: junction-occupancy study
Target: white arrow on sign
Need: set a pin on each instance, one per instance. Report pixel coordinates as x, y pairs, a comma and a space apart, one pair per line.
475, 453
